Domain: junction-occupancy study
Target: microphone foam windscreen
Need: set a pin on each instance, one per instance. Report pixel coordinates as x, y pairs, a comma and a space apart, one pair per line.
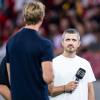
80, 73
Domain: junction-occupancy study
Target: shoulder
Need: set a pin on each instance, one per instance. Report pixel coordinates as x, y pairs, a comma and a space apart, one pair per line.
14, 36
82, 60
57, 58
46, 42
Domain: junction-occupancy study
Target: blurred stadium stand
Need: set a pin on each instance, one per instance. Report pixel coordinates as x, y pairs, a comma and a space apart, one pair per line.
84, 15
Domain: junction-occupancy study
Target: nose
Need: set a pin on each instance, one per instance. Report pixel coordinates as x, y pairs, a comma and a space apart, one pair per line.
70, 42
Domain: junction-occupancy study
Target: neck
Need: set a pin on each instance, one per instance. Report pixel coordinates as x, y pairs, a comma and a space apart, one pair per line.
69, 54
35, 27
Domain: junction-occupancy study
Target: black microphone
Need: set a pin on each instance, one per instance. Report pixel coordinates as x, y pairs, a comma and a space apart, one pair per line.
80, 74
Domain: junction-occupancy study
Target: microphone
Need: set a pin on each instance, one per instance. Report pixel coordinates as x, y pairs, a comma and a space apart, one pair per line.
80, 74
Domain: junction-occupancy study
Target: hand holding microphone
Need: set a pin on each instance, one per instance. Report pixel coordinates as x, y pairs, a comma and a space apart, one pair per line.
71, 86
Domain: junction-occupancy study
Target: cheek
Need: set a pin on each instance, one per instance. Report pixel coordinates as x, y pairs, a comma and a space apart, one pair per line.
76, 45
64, 44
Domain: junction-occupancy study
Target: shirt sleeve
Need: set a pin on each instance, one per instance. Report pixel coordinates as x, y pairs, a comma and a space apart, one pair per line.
47, 52
90, 74
3, 73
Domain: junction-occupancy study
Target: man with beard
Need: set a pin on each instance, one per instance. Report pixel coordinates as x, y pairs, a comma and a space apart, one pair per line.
65, 67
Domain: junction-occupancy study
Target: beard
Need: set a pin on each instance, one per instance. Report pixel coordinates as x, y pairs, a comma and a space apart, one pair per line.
70, 49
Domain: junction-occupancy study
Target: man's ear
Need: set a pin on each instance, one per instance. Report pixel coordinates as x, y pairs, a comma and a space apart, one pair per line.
79, 43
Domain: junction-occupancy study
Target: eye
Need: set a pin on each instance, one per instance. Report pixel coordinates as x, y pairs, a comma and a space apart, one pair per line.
67, 39
74, 40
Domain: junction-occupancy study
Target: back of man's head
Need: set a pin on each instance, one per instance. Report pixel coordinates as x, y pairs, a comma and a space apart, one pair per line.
34, 12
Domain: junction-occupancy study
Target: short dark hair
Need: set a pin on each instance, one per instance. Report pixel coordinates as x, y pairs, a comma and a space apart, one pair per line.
70, 31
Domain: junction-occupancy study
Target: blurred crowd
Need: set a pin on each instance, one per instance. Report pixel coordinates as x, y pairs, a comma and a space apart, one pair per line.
84, 15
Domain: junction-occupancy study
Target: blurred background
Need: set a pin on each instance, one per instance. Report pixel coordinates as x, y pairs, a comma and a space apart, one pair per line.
84, 15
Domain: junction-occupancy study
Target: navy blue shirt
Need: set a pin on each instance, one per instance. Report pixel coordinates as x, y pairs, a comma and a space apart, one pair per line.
3, 73
25, 52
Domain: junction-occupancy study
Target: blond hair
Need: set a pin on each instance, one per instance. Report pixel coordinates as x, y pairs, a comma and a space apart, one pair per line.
34, 12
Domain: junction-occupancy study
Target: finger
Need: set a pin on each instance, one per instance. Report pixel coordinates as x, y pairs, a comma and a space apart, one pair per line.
76, 82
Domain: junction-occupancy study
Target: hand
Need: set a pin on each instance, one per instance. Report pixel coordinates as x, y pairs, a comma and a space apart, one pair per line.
71, 86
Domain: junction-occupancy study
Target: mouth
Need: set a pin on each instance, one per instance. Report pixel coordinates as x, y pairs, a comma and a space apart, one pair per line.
70, 46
